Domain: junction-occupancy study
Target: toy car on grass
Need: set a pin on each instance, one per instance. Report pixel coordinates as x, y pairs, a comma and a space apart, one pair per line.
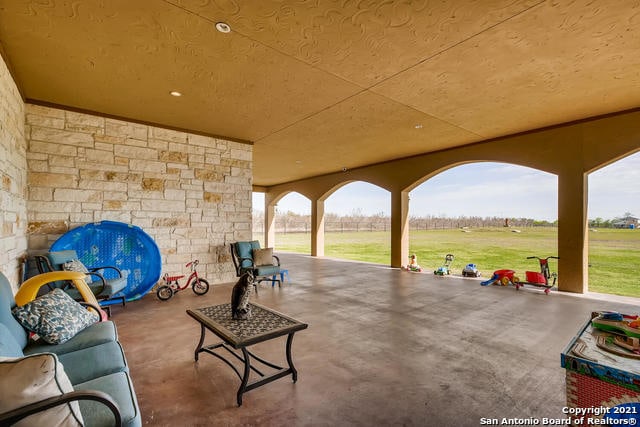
470, 270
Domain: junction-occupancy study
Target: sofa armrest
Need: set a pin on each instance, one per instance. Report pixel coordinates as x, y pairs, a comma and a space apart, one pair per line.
29, 289
13, 416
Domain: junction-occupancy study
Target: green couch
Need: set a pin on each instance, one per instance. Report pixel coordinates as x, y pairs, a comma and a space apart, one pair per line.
93, 363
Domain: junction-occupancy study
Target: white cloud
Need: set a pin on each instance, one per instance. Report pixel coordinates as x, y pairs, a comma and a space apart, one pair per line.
615, 189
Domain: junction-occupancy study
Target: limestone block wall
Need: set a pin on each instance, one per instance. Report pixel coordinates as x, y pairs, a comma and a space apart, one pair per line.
191, 193
13, 178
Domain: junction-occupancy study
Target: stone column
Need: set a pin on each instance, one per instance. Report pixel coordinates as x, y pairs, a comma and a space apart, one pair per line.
573, 243
317, 228
399, 228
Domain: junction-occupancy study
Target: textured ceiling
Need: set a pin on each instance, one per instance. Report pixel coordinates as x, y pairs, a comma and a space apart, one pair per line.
319, 85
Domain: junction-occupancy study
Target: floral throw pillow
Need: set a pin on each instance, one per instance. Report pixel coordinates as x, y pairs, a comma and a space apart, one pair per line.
55, 317
77, 265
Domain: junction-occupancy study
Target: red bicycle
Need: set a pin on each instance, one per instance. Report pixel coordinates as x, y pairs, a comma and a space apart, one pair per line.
199, 285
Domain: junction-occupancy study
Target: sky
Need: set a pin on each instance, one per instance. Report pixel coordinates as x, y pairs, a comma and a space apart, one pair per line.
486, 190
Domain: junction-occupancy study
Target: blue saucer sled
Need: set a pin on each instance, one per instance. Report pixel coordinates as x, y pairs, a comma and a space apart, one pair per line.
122, 245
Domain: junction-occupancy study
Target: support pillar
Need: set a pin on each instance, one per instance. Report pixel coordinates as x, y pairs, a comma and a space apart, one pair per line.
317, 228
573, 241
399, 228
269, 222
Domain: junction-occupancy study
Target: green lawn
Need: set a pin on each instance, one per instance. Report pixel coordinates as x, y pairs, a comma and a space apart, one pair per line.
614, 255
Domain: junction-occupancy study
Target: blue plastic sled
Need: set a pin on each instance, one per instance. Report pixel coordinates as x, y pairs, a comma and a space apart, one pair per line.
122, 245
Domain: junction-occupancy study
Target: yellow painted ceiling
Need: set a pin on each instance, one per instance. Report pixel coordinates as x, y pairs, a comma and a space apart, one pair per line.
318, 85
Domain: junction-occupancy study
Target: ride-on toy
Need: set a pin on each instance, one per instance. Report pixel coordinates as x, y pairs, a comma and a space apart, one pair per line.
541, 279
444, 269
413, 264
470, 270
199, 285
500, 277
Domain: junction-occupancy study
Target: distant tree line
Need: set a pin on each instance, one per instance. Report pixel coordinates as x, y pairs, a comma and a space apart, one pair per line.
291, 222
625, 221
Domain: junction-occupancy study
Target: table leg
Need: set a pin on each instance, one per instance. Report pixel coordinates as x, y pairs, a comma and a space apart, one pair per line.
199, 346
294, 373
245, 377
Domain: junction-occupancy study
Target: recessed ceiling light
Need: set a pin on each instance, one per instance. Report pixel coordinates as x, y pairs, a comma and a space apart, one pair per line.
175, 93
298, 162
223, 27
418, 126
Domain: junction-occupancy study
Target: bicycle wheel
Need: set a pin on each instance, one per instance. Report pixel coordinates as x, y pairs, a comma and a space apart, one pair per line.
164, 292
200, 286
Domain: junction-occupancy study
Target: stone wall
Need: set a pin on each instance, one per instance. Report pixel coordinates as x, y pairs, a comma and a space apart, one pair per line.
13, 176
191, 193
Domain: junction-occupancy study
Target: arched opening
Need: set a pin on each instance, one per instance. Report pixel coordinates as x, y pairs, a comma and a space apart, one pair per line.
490, 214
292, 222
357, 223
614, 239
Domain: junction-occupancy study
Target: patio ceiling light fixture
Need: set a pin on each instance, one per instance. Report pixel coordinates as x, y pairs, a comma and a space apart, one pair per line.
175, 93
223, 27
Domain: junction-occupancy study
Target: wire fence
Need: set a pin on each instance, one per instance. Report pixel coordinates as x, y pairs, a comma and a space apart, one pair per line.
414, 225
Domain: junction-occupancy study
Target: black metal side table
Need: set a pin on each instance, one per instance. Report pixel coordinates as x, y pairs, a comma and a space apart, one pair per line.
265, 324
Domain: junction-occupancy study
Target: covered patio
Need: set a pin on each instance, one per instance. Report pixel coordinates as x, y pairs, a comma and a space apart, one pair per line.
168, 114
383, 347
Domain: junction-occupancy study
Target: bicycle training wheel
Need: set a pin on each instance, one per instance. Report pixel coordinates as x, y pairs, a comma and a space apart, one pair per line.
164, 292
200, 286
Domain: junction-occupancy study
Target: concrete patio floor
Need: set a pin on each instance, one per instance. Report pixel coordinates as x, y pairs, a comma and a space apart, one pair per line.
383, 347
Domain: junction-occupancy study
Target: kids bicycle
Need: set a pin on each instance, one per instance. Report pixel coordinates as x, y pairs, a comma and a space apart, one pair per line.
199, 285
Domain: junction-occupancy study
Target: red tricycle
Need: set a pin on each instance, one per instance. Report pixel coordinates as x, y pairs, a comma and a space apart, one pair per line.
199, 285
541, 279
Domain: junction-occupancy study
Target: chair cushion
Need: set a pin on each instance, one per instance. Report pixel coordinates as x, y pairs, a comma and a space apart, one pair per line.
77, 265
263, 257
54, 316
60, 257
120, 388
112, 287
96, 334
245, 250
33, 378
9, 347
267, 270
93, 362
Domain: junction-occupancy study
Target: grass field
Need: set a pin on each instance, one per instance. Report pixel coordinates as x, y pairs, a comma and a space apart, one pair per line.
614, 255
